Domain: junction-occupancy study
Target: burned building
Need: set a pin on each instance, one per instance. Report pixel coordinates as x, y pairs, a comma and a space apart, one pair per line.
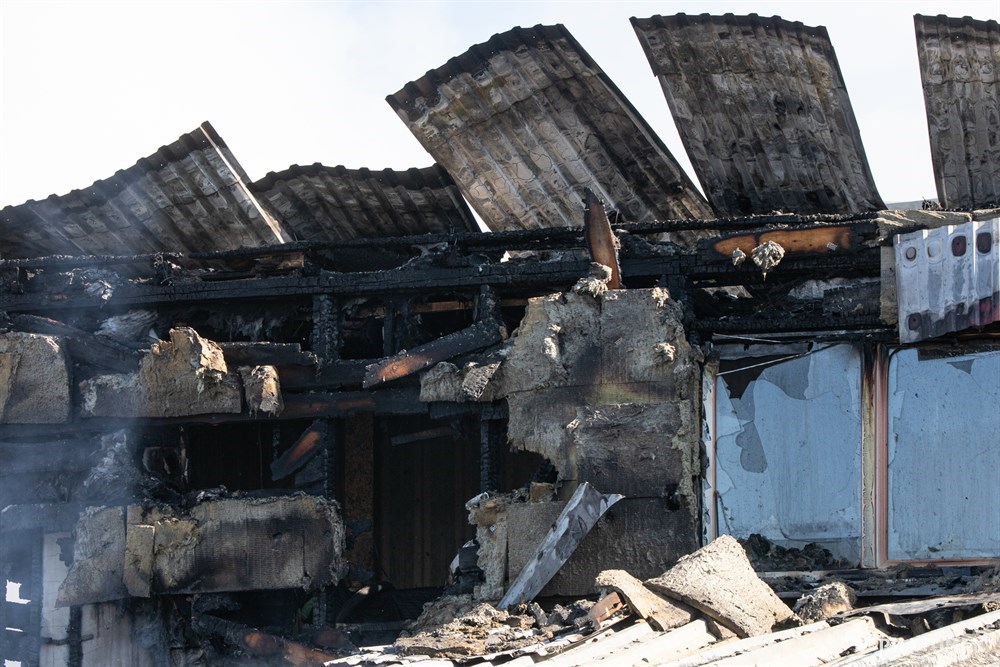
264, 422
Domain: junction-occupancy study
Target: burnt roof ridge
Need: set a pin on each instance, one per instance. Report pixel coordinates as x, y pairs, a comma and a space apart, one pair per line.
475, 61
155, 161
729, 18
410, 177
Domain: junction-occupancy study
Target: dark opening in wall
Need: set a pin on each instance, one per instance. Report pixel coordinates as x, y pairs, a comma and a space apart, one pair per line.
239, 455
425, 471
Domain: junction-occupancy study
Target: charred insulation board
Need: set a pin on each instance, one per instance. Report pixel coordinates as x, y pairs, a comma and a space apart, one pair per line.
525, 121
232, 544
960, 71
947, 279
318, 203
189, 196
763, 111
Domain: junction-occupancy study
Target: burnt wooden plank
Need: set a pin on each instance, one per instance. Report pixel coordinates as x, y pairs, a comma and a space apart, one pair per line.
333, 375
83, 346
279, 650
472, 338
265, 353
815, 240
301, 452
601, 242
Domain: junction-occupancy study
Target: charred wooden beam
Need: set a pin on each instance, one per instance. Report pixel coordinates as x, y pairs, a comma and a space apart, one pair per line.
82, 345
548, 238
522, 276
864, 325
601, 242
472, 338
333, 375
422, 436
813, 241
258, 643
325, 337
309, 444
270, 354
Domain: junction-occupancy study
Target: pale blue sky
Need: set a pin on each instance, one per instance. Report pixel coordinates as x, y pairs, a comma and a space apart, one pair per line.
87, 88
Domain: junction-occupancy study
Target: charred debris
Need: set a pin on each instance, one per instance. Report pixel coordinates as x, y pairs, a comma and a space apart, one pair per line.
322, 418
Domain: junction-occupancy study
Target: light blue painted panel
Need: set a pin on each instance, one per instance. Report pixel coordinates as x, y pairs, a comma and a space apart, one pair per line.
944, 456
788, 450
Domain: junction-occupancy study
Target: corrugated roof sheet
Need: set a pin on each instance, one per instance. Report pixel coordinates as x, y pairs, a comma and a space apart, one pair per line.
947, 279
763, 112
319, 203
842, 641
525, 121
960, 70
189, 196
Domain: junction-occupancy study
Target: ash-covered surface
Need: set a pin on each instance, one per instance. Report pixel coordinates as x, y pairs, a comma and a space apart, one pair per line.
457, 627
766, 556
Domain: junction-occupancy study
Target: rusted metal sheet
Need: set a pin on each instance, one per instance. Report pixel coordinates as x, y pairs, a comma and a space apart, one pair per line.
605, 608
960, 71
947, 279
189, 196
318, 203
763, 112
525, 121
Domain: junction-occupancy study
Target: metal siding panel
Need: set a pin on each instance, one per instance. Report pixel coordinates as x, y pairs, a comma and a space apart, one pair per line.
763, 113
960, 71
947, 279
527, 120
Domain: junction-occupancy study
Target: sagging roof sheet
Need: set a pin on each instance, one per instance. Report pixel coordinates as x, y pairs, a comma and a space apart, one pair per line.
960, 70
763, 112
318, 203
189, 196
525, 121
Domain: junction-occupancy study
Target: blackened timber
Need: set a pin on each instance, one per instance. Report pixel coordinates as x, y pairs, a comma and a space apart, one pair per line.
527, 275
325, 336
472, 338
311, 405
264, 353
83, 346
601, 242
301, 452
871, 324
257, 643
551, 238
333, 375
